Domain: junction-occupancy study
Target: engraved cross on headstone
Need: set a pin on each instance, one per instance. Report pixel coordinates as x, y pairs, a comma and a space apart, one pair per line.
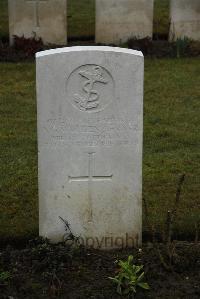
37, 3
90, 178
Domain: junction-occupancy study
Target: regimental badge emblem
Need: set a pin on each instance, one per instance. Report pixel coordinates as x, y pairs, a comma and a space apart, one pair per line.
90, 88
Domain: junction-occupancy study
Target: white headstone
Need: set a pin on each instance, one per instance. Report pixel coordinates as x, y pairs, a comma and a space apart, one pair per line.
119, 20
44, 19
185, 19
90, 127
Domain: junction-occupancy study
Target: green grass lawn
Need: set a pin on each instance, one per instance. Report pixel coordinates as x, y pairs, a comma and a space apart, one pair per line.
18, 178
161, 17
81, 17
171, 144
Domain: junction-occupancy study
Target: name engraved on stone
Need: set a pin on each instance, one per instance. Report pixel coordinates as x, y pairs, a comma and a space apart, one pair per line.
90, 178
102, 132
37, 4
95, 88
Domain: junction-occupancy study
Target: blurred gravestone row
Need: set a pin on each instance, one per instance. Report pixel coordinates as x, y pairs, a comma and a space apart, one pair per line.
114, 21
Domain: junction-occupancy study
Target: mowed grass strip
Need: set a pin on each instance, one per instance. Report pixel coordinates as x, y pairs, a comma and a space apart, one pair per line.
18, 151
172, 140
161, 18
171, 145
81, 18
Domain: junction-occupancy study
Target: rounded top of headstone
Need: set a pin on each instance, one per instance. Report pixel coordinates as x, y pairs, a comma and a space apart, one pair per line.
89, 48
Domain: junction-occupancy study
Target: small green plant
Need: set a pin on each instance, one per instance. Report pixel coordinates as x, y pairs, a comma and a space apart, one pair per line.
129, 277
4, 277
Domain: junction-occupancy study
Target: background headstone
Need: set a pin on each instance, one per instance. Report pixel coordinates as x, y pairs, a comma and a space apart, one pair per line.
118, 21
90, 127
39, 18
185, 19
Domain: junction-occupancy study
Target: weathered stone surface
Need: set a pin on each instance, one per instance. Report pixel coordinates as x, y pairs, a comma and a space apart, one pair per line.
118, 21
90, 127
39, 18
185, 19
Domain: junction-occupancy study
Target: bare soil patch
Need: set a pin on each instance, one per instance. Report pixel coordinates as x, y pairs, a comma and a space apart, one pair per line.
44, 270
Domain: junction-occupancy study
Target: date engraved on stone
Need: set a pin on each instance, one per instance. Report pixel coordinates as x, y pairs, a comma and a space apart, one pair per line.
90, 88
